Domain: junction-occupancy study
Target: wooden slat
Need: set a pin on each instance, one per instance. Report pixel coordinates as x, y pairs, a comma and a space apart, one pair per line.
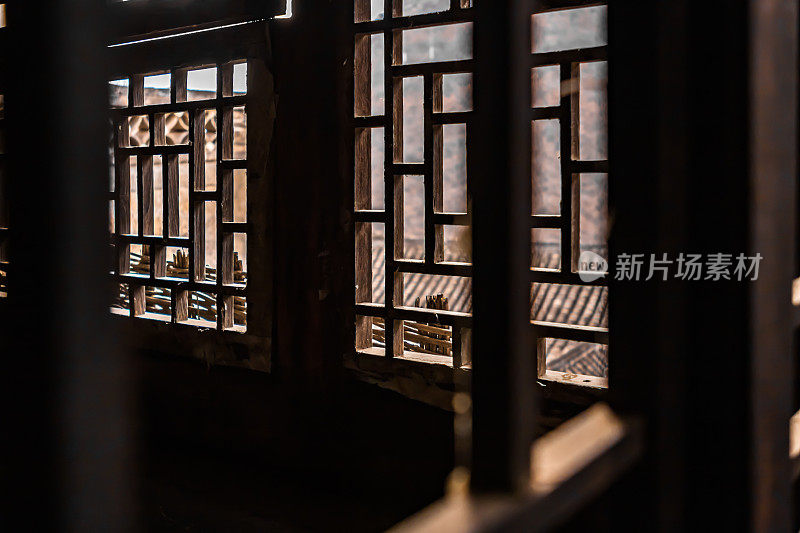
150, 151
545, 113
178, 106
443, 67
232, 227
181, 284
553, 330
197, 226
452, 219
538, 275
232, 164
568, 127
588, 166
438, 269
181, 242
378, 121
546, 221
597, 53
452, 117
415, 21
369, 215
172, 211
144, 178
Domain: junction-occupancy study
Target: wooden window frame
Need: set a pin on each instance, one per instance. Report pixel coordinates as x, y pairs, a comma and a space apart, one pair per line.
567, 113
392, 215
222, 48
436, 378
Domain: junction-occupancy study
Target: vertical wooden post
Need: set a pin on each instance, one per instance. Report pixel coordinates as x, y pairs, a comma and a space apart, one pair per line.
711, 422
504, 375
773, 211
68, 437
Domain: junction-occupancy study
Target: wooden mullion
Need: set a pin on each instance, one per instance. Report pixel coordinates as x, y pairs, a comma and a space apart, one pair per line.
137, 299
196, 182
362, 183
565, 129
144, 191
170, 168
225, 192
575, 182
362, 67
122, 190
362, 11
437, 170
541, 357
180, 305
136, 91
393, 133
178, 91
158, 261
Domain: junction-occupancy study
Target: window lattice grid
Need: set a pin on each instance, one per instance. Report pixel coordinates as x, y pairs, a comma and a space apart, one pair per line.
423, 291
195, 274
569, 173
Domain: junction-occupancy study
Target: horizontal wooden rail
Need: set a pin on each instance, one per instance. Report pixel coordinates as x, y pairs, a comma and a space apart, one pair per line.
460, 66
179, 107
542, 275
568, 331
571, 465
415, 21
437, 316
578, 55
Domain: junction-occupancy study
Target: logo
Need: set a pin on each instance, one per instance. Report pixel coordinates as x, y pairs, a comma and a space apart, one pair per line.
591, 266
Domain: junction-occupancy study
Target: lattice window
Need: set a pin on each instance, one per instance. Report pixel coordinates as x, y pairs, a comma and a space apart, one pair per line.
570, 193
412, 120
178, 205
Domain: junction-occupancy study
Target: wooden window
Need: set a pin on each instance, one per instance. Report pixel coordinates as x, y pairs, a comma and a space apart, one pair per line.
179, 143
191, 121
412, 124
569, 204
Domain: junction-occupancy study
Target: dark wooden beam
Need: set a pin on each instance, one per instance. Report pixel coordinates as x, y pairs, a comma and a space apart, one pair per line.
503, 363
136, 19
714, 385
67, 436
772, 211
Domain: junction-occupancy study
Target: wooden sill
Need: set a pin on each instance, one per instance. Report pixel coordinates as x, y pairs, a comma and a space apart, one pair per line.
571, 465
198, 339
431, 378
